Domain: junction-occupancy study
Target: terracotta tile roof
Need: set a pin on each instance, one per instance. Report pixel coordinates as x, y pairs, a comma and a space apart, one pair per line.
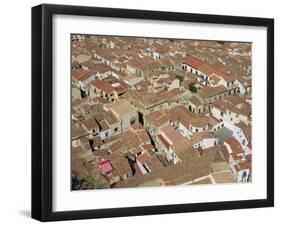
104, 125
184, 150
90, 123
120, 165
173, 117
78, 169
173, 135
136, 126
235, 146
224, 106
77, 74
116, 146
185, 122
78, 131
195, 100
130, 140
98, 68
110, 117
103, 86
143, 158
246, 164
176, 174
148, 147
200, 136
207, 69
193, 62
143, 136
198, 120
208, 91
153, 116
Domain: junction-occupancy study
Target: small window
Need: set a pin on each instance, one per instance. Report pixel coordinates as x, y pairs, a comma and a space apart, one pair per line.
132, 120
115, 129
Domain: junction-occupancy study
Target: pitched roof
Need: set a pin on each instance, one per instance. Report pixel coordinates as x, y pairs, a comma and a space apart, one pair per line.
184, 150
103, 86
77, 74
195, 100
200, 136
90, 123
173, 135
143, 136
193, 62
198, 120
207, 69
235, 146
209, 91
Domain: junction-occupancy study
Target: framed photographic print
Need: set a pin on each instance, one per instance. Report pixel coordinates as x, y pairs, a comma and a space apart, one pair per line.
146, 112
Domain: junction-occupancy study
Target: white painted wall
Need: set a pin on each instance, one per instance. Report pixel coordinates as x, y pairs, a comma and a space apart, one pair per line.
184, 131
229, 116
241, 87
195, 129
238, 134
206, 143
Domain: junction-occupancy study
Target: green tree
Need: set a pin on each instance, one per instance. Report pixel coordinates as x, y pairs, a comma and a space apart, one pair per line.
192, 88
179, 77
88, 180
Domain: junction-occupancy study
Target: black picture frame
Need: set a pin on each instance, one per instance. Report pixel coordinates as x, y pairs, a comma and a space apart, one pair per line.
42, 111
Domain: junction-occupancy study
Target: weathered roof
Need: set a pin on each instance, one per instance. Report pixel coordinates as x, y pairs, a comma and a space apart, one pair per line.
195, 100
193, 62
122, 107
103, 85
209, 91
200, 136
173, 135
235, 146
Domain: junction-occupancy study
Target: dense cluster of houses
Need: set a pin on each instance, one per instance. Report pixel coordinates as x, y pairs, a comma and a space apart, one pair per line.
153, 112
